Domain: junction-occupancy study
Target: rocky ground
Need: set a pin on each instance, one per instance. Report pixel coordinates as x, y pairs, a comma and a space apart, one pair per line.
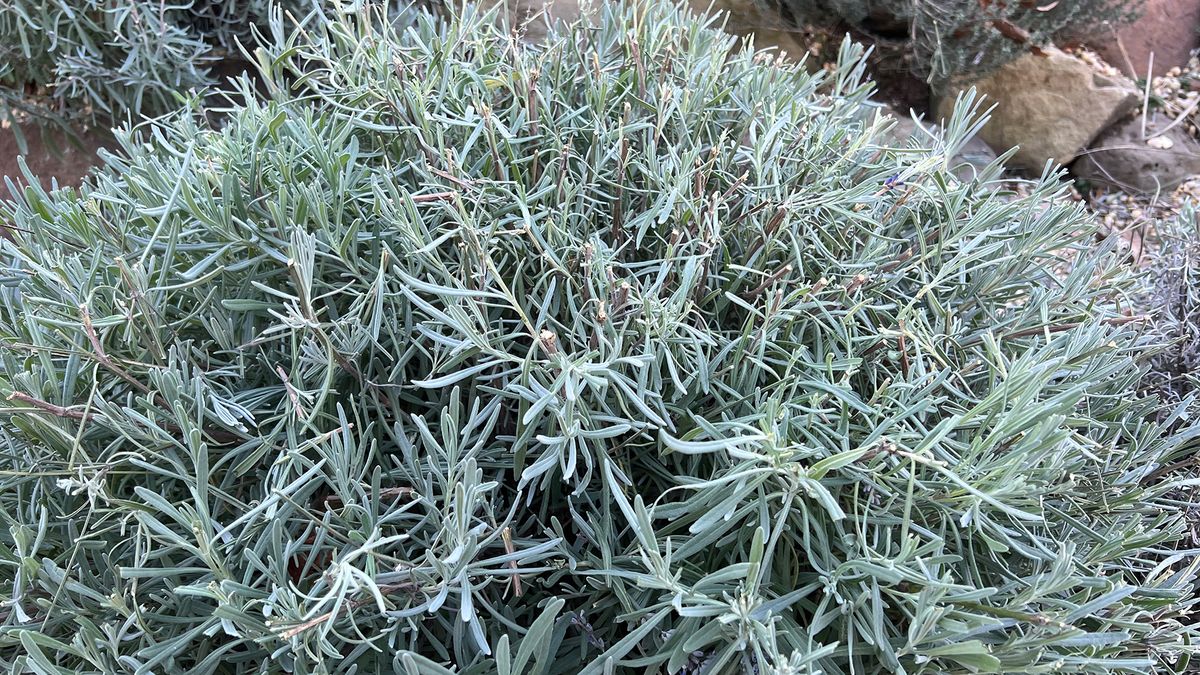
1174, 98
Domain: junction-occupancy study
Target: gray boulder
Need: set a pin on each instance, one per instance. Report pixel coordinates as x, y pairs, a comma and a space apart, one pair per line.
1126, 158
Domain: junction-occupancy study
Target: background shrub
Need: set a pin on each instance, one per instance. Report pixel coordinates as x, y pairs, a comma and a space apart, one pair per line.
629, 353
1173, 278
98, 60
953, 38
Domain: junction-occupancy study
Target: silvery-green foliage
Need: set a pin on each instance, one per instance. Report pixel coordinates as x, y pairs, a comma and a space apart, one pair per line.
1172, 294
629, 353
96, 59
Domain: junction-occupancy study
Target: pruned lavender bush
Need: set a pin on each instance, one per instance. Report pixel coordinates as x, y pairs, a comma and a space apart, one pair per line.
627, 353
1173, 296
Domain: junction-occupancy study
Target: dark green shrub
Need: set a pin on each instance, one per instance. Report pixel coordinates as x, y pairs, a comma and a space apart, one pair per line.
631, 353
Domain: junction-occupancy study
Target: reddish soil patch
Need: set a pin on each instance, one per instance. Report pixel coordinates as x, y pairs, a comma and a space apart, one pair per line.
53, 158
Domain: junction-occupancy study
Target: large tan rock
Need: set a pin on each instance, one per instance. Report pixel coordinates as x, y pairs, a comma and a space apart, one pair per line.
1051, 105
749, 18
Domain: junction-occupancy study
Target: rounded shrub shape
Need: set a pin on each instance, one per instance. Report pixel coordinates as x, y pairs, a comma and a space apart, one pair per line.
631, 353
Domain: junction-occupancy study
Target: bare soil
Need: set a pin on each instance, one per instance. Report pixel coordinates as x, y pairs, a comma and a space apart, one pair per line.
53, 157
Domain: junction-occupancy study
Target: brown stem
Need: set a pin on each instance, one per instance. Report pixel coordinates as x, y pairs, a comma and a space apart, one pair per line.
461, 182
434, 197
776, 276
531, 96
103, 357
1118, 321
56, 410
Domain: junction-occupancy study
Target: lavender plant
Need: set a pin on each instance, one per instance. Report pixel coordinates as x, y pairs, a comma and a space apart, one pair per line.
1173, 278
99, 61
631, 352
